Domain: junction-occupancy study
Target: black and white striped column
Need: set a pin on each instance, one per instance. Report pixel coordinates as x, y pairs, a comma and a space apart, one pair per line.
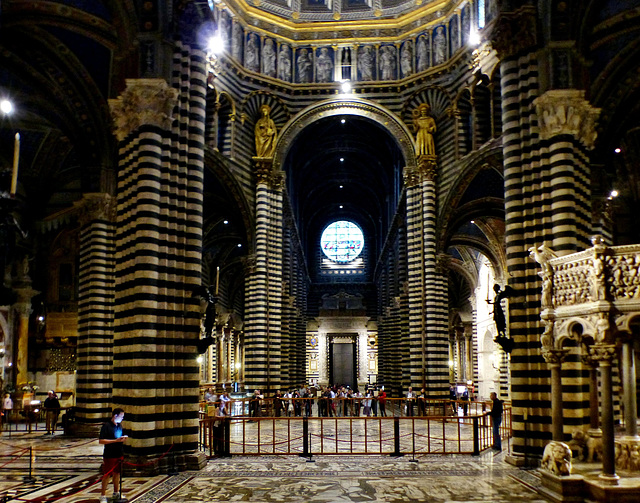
158, 257
96, 286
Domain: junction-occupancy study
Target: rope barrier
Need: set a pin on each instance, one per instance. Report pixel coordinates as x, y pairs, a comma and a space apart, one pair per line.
22, 452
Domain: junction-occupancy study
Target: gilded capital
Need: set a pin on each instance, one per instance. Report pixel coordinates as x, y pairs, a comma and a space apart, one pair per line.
411, 176
96, 206
144, 101
566, 112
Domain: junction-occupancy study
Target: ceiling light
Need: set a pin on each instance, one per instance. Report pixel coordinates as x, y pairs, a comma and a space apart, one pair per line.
613, 193
342, 121
225, 222
618, 150
473, 221
342, 186
239, 245
6, 107
342, 159
341, 206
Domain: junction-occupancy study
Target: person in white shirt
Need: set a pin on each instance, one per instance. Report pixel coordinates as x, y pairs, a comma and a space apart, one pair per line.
411, 398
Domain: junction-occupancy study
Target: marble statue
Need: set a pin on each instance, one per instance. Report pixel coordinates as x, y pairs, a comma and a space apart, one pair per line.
388, 62
265, 133
406, 59
365, 63
556, 458
252, 61
324, 66
424, 126
304, 66
284, 64
423, 54
269, 58
439, 46
236, 42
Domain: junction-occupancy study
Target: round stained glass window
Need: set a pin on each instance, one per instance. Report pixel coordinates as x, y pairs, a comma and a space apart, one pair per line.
342, 241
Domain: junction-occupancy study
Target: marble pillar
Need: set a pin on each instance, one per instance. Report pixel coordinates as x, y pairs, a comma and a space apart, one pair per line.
554, 358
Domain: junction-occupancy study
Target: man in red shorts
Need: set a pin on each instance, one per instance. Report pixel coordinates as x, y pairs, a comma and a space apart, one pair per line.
112, 438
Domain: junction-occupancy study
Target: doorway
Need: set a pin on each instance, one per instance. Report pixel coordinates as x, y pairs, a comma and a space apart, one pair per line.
342, 364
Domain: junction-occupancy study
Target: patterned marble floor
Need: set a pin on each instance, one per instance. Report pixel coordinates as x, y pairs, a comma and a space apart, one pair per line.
66, 471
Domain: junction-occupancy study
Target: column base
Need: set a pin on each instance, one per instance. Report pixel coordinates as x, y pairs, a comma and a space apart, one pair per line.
561, 489
609, 480
596, 490
520, 461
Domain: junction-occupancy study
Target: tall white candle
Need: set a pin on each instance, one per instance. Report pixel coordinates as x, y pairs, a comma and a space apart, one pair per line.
217, 279
16, 160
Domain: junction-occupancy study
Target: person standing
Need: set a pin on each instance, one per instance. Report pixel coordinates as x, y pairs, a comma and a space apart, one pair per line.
382, 400
7, 407
113, 440
411, 398
52, 408
496, 419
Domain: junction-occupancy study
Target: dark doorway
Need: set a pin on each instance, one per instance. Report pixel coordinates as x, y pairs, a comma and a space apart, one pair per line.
343, 364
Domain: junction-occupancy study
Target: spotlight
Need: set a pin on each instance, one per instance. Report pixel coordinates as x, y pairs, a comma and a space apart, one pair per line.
200, 359
342, 121
342, 186
473, 221
618, 150
341, 206
342, 159
613, 193
216, 45
239, 245
474, 38
225, 222
345, 87
6, 107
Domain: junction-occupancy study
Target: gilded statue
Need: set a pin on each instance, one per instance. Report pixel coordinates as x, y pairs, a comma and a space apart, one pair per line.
265, 133
424, 126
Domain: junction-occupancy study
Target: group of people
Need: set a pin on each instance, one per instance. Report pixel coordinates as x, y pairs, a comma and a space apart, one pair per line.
51, 408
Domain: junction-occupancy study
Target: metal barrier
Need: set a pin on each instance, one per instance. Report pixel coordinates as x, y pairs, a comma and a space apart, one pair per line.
308, 436
29, 419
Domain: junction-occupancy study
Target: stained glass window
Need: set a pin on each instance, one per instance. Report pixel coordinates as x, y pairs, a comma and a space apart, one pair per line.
342, 241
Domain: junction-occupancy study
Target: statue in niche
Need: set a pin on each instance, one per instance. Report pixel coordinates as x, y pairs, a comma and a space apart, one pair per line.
223, 28
265, 133
236, 42
269, 58
439, 46
304, 66
423, 54
466, 24
252, 61
453, 33
324, 66
365, 63
284, 64
388, 62
424, 126
406, 57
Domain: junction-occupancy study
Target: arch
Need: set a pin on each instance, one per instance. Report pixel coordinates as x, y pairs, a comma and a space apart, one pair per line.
346, 106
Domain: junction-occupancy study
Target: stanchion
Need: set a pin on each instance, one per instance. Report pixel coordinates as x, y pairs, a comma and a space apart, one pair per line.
305, 438
413, 442
476, 437
396, 437
30, 477
121, 498
226, 449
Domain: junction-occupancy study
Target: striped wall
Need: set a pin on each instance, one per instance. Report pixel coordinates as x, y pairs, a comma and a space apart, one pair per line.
158, 260
95, 310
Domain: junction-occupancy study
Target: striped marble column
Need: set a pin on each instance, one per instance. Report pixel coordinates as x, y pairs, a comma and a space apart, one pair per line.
263, 311
427, 288
158, 259
567, 131
96, 287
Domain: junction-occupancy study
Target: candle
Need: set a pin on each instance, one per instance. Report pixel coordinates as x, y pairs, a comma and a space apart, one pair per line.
217, 279
16, 159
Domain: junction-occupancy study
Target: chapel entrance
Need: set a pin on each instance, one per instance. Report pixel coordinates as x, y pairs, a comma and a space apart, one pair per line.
342, 363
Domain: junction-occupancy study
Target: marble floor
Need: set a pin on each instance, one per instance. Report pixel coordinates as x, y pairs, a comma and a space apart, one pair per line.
36, 467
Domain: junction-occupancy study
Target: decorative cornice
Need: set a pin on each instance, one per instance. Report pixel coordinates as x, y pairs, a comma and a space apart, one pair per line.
144, 101
566, 112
